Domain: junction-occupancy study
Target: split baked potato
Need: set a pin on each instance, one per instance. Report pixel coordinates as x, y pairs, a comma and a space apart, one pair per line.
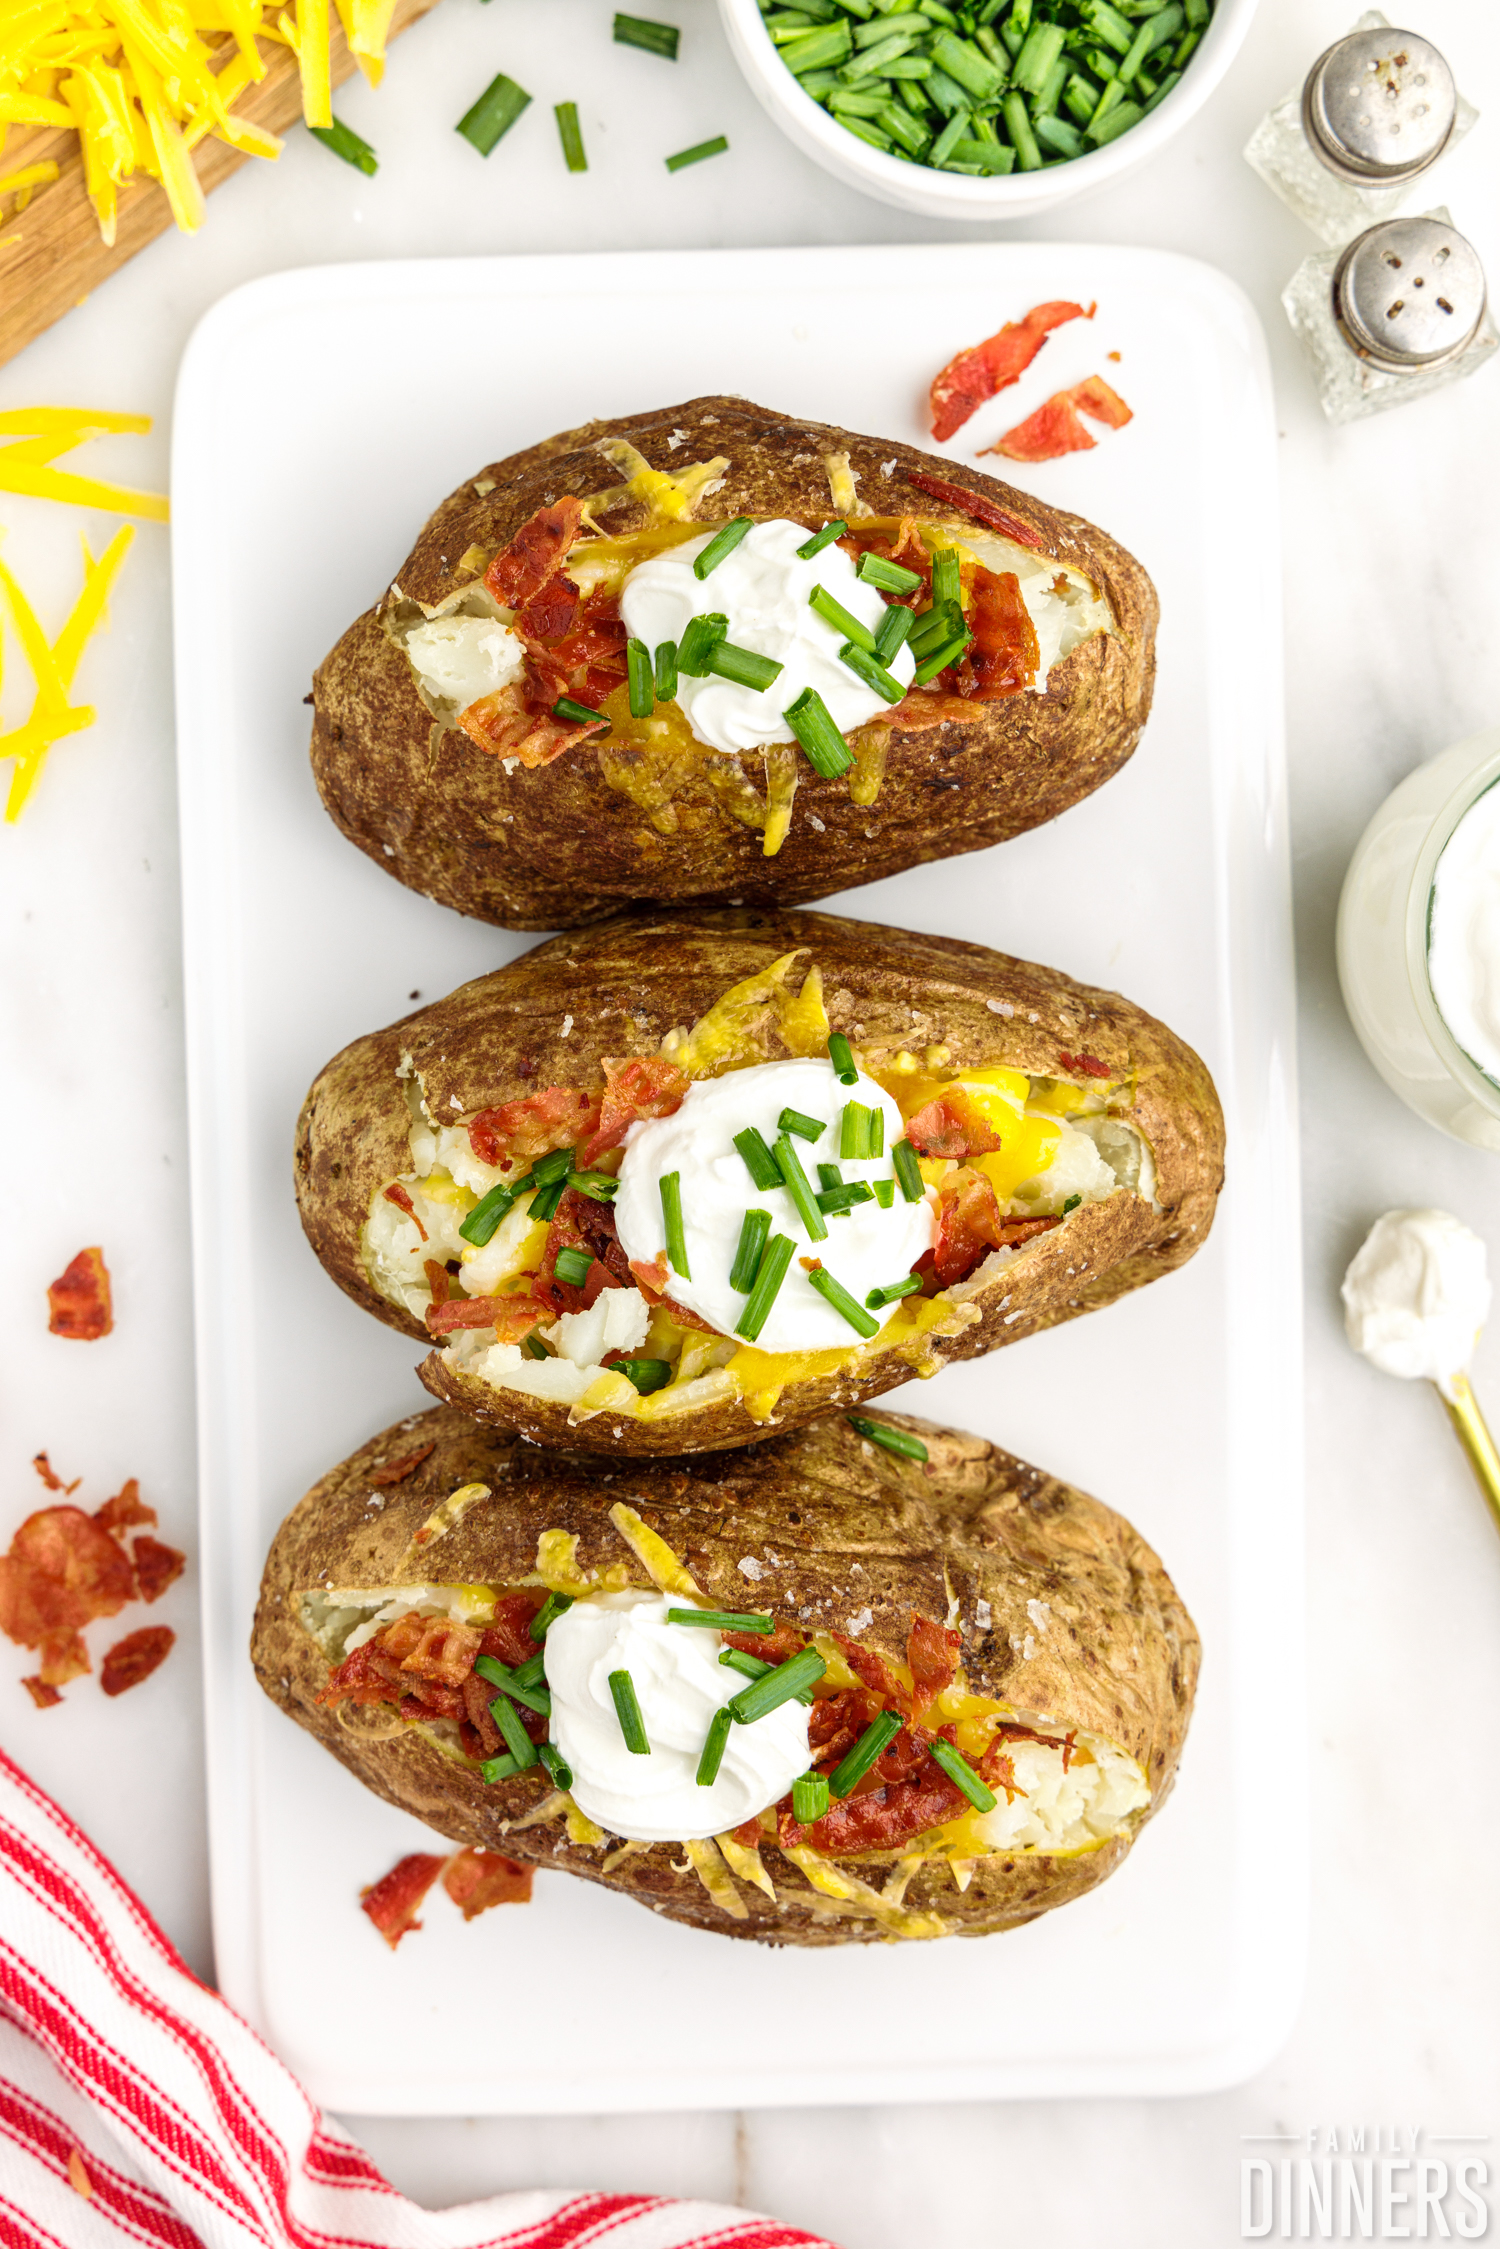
1001, 1672
477, 732
884, 1150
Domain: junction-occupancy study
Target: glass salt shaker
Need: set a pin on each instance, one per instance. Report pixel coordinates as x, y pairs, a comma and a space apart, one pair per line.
1400, 311
1377, 111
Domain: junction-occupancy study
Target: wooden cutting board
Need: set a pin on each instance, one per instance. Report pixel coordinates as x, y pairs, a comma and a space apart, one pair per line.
51, 257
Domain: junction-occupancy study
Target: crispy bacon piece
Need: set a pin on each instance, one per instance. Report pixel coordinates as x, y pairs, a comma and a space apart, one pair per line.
644, 1085
476, 1879
1094, 397
984, 370
1054, 429
53, 1481
520, 1131
587, 661
874, 1673
79, 1302
444, 1653
581, 1223
772, 1647
974, 504
478, 1694
952, 1124
535, 554
64, 1657
1083, 1066
397, 1194
511, 1317
392, 1902
135, 1657
932, 1658
835, 1723
397, 1471
62, 1571
42, 1693
997, 1770
551, 613
907, 550
1009, 1731
126, 1508
507, 1636
156, 1566
367, 1675
505, 725
880, 1817
969, 1224
1006, 655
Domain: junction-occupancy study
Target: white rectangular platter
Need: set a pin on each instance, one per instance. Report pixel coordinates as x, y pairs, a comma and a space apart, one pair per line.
385, 385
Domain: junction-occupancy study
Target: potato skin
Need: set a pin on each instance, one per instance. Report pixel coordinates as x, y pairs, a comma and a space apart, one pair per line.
557, 847
621, 986
1119, 1656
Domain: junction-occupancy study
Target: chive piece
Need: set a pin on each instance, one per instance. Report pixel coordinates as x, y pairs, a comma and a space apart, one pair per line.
886, 25
824, 49
493, 114
854, 1132
671, 1210
599, 1186
547, 1615
721, 1725
1162, 91
1155, 32
895, 626
483, 1221
653, 38
824, 538
1039, 52
724, 1620
696, 155
516, 1685
754, 1235
890, 577
780, 1250
982, 156
797, 1185
829, 1175
837, 1202
642, 685
556, 1164
934, 626
1022, 138
579, 714
759, 1161
823, 745
809, 1799
949, 138
904, 129
868, 667
517, 1740
1107, 24
962, 1774
885, 1192
497, 1768
571, 1266
559, 1772
698, 642
946, 96
806, 1128
948, 654
666, 671
834, 1292
841, 1055
721, 544
345, 142
532, 1346
751, 1667
877, 1737
966, 65
908, 1177
1072, 1203
875, 1135
1056, 134
894, 1440
746, 667
546, 1199
947, 577
874, 60
531, 1673
834, 613
788, 1679
889, 1291
646, 1374
1197, 12
1117, 122
571, 136
628, 1711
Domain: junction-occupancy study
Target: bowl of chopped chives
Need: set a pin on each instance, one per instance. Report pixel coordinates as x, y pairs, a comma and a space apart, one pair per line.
982, 109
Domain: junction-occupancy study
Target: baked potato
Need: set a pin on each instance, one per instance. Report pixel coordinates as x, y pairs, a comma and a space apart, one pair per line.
996, 1670
675, 1179
480, 734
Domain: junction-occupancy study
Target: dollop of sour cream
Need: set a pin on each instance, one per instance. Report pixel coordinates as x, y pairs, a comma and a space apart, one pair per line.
679, 1685
1463, 946
762, 588
869, 1248
1417, 1295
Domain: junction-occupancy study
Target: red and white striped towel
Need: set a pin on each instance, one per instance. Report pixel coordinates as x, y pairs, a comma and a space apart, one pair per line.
136, 2106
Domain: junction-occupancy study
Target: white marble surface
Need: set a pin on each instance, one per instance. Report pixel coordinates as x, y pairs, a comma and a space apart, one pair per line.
1392, 599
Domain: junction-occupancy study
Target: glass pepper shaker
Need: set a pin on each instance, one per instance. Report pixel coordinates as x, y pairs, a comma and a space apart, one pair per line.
1376, 111
1400, 311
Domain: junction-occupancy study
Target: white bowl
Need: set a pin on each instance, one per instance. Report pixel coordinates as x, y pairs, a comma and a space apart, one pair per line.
952, 195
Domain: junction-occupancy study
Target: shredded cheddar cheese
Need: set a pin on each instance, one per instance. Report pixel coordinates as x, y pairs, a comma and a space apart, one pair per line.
53, 664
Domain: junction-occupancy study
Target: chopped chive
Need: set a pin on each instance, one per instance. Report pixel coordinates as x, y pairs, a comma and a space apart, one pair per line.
934, 626
779, 1252
572, 1266
908, 1177
797, 1185
556, 1164
532, 1347
697, 643
982, 156
837, 1202
578, 714
1018, 126
546, 1199
570, 134
834, 613
1119, 121
653, 38
788, 1679
1072, 1203
904, 129
549, 1612
940, 659
875, 1135
642, 685
720, 1727
497, 1768
559, 1771
966, 65
874, 59
806, 1128
1163, 90
493, 114
696, 155
809, 1799
599, 1186
834, 1292
759, 1161
841, 1055
1039, 52
947, 577
877, 1736
870, 669
878, 1298
829, 1175
885, 1192
531, 1673
854, 1132
962, 1774
1056, 134
754, 1235
824, 538
646, 1374
628, 1711
666, 671
724, 1620
483, 1221
751, 1667
746, 667
821, 49
721, 544
895, 626
671, 1210
516, 1684
345, 142
517, 1740
948, 139
894, 1440
890, 577
823, 745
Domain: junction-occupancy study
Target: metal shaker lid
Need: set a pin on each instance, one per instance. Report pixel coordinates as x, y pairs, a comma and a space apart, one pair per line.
1379, 107
1409, 293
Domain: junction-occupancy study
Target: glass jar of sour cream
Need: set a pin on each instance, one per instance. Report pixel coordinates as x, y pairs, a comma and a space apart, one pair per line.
1419, 940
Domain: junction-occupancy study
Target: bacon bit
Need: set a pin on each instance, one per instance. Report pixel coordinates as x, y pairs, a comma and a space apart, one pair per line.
835, 1723
1113, 355
535, 553
511, 1317
1009, 1732
79, 1301
397, 1471
444, 1653
523, 1130
879, 1817
476, 1879
477, 1696
51, 1479
135, 1657
580, 1223
908, 551
975, 505
1094, 397
504, 725
952, 1125
125, 1508
772, 1647
551, 613
997, 1770
507, 1636
868, 1667
932, 1657
652, 1280
1084, 1065
156, 1566
61, 1572
78, 2178
968, 1225
42, 1692
403, 1201
644, 1085
439, 1280
64, 1657
1006, 654
392, 1902
1054, 429
984, 370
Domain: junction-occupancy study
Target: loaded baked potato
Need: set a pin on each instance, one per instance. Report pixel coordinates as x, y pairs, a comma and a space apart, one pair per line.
674, 1179
539, 724
996, 1673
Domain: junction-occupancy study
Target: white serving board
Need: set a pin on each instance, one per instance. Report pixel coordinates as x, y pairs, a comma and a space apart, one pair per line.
383, 386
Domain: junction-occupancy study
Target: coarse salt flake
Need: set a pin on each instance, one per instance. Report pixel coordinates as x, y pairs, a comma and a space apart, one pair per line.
1040, 1613
861, 1622
1001, 1007
983, 1615
750, 1568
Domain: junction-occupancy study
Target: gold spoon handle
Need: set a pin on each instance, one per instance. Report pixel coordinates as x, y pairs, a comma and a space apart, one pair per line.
1474, 1436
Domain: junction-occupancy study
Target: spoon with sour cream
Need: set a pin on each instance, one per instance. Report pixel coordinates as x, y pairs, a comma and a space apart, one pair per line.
1415, 1299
